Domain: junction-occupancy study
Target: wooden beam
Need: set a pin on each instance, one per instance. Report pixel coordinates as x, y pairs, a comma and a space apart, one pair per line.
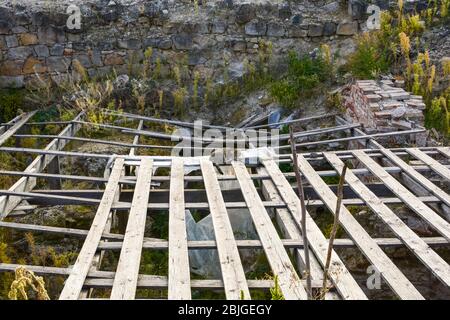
125, 281
344, 282
10, 132
233, 274
179, 271
74, 283
437, 167
160, 244
276, 254
431, 259
24, 184
393, 276
424, 182
104, 279
425, 212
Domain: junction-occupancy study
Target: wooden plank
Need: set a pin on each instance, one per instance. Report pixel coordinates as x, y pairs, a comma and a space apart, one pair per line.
276, 254
425, 212
136, 139
339, 275
233, 274
445, 151
127, 272
24, 184
144, 281
160, 244
288, 226
74, 283
424, 182
440, 169
9, 124
10, 132
431, 259
393, 276
179, 272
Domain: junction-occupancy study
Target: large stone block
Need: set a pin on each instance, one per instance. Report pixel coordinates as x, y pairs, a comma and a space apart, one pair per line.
275, 30
26, 39
11, 41
11, 68
315, 30
329, 28
255, 28
58, 64
113, 59
296, 31
131, 44
50, 35
41, 51
182, 41
33, 65
347, 28
219, 27
245, 13
57, 50
20, 53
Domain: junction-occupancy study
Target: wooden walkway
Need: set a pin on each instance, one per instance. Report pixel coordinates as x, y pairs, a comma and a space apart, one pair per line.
132, 189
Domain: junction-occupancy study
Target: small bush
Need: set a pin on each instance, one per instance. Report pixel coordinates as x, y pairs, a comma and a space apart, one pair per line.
368, 61
305, 77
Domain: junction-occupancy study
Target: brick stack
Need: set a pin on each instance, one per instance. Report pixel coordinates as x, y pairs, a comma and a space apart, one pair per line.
384, 106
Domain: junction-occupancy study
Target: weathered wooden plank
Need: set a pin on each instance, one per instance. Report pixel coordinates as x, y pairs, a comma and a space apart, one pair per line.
424, 182
7, 204
437, 167
344, 282
431, 259
288, 226
154, 243
127, 272
233, 274
276, 254
10, 132
159, 244
97, 278
431, 217
393, 276
74, 283
136, 139
445, 151
9, 124
179, 272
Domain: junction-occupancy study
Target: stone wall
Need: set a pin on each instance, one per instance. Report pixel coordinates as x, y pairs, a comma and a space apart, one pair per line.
35, 42
384, 106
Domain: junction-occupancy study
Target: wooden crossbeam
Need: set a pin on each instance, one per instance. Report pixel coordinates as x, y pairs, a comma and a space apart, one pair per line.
277, 256
74, 283
126, 277
424, 182
425, 212
12, 130
440, 169
390, 272
431, 259
179, 272
233, 275
104, 279
338, 273
25, 184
